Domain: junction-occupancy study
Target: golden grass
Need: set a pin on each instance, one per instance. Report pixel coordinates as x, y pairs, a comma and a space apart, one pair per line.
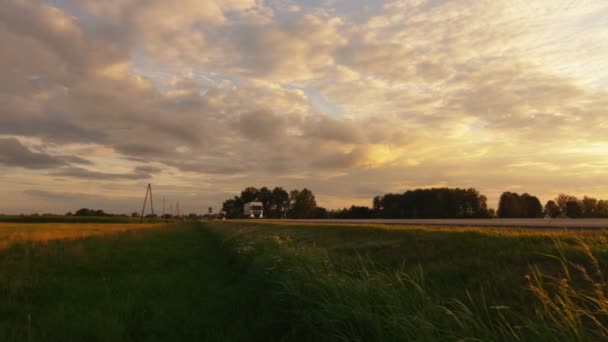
493, 231
11, 233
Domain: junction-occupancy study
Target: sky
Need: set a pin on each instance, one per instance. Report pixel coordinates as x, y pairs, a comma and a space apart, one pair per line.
349, 98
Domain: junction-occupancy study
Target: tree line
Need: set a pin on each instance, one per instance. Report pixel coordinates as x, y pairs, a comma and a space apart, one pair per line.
434, 203
420, 203
513, 205
276, 203
443, 203
570, 206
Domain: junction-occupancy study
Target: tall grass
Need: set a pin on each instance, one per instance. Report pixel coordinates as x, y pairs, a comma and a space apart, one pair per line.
328, 299
214, 283
573, 305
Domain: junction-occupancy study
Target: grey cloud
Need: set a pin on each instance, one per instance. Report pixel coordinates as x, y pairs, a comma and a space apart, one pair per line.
148, 169
262, 125
76, 172
299, 49
387, 60
220, 167
342, 130
145, 150
13, 153
54, 128
76, 160
78, 49
340, 160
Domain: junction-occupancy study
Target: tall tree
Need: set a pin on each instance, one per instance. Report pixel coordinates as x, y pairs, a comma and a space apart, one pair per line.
533, 208
431, 203
265, 196
303, 204
233, 207
551, 209
589, 206
280, 202
574, 208
509, 205
602, 208
250, 194
561, 201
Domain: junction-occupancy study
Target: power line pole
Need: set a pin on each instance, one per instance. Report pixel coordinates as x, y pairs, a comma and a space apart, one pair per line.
148, 191
163, 217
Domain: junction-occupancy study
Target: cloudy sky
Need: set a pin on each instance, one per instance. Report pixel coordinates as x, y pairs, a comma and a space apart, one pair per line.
349, 98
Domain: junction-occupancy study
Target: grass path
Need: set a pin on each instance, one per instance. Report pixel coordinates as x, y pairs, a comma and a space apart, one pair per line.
170, 284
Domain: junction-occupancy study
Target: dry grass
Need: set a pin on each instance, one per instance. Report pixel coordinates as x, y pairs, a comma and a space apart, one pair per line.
11, 233
252, 226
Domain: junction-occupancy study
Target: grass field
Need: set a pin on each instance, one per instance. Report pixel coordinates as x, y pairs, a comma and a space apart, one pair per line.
12, 233
234, 281
67, 219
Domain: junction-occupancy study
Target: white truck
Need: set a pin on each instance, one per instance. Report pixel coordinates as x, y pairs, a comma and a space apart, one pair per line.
253, 210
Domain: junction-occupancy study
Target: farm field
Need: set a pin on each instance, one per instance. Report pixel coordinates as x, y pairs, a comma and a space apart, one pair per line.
248, 281
550, 223
12, 233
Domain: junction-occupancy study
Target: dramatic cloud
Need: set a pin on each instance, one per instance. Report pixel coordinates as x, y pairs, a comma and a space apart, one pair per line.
76, 172
206, 97
13, 153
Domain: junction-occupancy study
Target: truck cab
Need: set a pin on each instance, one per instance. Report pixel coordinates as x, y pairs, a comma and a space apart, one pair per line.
253, 210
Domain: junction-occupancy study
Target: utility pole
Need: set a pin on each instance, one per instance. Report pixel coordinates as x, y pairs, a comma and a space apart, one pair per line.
148, 191
163, 217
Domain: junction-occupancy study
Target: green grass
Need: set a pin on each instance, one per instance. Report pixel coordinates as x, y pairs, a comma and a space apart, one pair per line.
172, 284
223, 281
383, 284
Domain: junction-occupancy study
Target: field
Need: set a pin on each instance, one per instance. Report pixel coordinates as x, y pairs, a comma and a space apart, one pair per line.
245, 281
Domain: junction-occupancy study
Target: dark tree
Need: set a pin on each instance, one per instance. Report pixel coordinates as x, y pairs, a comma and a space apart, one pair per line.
574, 209
280, 202
250, 194
561, 201
265, 196
589, 206
533, 207
510, 206
602, 208
85, 212
303, 204
432, 203
551, 209
233, 207
354, 212
321, 213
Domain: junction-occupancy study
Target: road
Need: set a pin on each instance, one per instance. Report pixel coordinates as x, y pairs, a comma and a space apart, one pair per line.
512, 223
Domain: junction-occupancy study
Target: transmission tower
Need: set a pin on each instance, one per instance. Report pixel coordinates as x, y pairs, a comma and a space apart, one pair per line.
148, 191
163, 216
